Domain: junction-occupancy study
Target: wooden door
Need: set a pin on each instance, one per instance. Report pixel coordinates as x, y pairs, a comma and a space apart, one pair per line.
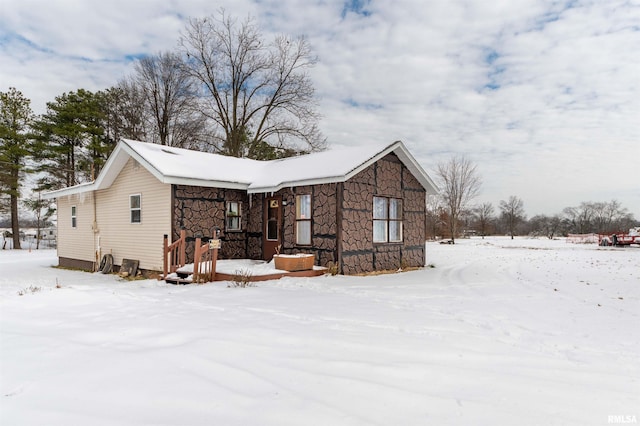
272, 236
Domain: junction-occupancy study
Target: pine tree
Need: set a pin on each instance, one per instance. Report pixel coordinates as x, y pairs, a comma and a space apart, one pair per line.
15, 148
72, 142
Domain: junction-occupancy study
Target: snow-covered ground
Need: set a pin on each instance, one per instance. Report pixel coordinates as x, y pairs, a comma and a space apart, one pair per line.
498, 332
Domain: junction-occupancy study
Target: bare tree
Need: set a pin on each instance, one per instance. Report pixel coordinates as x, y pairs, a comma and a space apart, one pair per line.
484, 216
258, 94
42, 212
168, 91
459, 183
580, 217
433, 217
125, 115
550, 226
512, 212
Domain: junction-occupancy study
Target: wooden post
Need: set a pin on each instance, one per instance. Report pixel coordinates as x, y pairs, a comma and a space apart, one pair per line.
196, 261
183, 247
165, 252
214, 259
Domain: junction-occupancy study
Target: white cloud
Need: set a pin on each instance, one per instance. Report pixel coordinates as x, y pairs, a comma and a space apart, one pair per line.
543, 95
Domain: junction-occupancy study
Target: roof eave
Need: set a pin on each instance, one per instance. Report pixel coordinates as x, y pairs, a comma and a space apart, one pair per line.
70, 190
290, 184
175, 180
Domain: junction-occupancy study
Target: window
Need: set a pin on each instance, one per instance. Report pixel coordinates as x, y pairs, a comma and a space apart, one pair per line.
74, 217
233, 213
135, 207
303, 220
387, 220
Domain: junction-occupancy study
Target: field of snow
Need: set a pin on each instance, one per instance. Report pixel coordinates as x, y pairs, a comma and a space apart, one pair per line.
497, 332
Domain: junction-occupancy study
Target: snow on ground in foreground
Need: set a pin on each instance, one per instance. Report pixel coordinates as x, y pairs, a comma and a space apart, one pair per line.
525, 332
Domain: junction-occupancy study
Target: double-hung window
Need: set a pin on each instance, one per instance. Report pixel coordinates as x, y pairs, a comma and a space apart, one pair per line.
135, 208
303, 220
233, 215
74, 217
387, 220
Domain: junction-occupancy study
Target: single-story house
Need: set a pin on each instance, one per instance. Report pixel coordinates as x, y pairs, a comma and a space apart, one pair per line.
360, 209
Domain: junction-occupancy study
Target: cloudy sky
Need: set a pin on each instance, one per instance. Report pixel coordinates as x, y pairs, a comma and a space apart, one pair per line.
543, 95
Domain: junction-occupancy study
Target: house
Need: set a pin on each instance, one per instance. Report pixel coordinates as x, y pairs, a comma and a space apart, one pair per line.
361, 209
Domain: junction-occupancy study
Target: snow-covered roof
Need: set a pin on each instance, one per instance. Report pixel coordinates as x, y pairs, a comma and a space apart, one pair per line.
187, 167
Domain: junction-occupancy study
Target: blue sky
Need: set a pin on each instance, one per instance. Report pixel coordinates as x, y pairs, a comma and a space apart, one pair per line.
544, 96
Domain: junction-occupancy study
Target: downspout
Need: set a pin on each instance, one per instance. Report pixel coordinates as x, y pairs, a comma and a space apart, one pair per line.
96, 247
94, 227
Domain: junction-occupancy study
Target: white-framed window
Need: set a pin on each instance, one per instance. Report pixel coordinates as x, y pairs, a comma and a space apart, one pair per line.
135, 208
303, 220
387, 220
233, 214
74, 217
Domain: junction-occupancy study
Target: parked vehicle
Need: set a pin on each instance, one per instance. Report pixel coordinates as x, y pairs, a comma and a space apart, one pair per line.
621, 239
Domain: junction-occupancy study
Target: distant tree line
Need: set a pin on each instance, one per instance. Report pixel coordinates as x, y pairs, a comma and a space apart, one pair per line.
226, 89
510, 219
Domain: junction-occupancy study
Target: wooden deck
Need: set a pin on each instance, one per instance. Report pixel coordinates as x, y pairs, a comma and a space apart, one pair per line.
207, 267
180, 277
316, 272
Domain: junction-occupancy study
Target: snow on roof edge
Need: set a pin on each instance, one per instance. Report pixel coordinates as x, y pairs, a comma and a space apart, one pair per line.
257, 171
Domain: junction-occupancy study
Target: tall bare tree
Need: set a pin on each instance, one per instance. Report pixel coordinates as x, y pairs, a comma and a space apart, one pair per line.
484, 216
258, 94
124, 110
580, 217
434, 215
459, 183
15, 147
512, 212
169, 96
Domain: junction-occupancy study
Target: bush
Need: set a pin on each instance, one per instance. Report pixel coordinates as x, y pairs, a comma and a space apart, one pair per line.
31, 289
242, 279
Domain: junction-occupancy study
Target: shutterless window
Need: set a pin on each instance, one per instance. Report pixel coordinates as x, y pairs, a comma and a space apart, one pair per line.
387, 220
135, 207
303, 220
233, 213
74, 217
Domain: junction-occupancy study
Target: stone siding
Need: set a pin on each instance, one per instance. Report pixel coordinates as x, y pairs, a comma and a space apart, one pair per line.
201, 210
386, 178
323, 222
341, 224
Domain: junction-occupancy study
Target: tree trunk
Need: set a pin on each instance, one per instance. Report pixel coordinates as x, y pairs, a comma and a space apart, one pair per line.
15, 226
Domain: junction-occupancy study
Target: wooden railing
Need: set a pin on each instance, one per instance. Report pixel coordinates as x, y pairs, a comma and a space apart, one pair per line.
204, 262
174, 253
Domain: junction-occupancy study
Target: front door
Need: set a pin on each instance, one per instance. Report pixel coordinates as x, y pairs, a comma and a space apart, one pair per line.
272, 227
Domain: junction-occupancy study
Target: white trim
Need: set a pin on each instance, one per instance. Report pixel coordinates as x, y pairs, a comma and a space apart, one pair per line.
125, 150
132, 209
74, 216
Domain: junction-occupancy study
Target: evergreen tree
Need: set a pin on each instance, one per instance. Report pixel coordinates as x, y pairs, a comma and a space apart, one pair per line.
72, 142
15, 148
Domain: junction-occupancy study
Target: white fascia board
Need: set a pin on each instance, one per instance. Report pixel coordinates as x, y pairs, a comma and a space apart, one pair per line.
415, 168
397, 148
290, 184
70, 190
174, 180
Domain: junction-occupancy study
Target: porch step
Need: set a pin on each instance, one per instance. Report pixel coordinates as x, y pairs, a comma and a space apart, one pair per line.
178, 278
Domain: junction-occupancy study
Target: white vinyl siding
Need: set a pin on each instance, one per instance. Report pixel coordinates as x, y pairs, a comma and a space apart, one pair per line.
137, 241
78, 241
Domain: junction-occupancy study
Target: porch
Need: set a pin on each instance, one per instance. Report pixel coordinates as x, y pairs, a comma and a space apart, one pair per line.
235, 269
207, 267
